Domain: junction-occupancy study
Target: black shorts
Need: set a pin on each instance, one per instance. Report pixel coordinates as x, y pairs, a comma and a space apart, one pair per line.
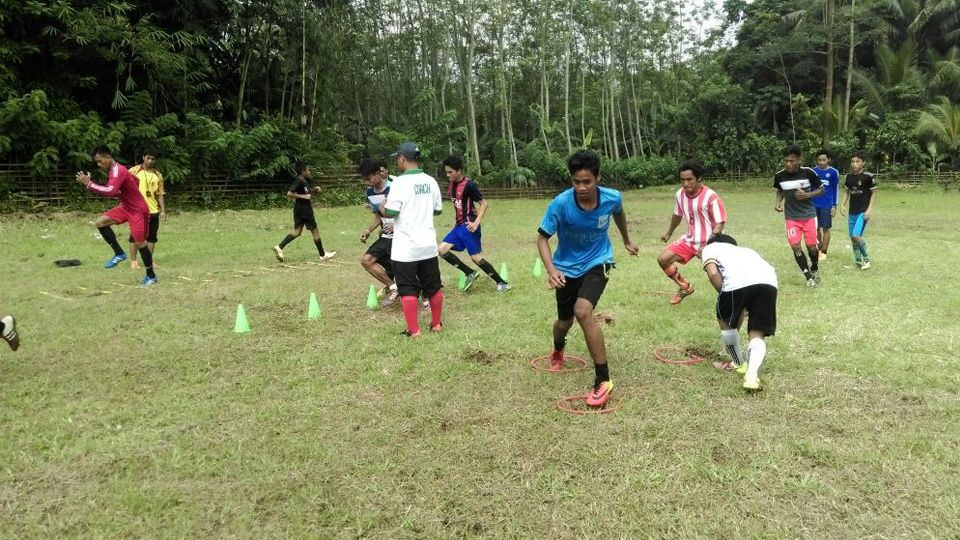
304, 220
416, 277
153, 230
824, 221
760, 302
589, 286
380, 250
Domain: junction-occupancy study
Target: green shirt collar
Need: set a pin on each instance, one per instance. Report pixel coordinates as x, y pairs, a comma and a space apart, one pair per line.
412, 171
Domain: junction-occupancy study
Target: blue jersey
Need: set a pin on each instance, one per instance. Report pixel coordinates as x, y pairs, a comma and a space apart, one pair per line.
830, 178
582, 239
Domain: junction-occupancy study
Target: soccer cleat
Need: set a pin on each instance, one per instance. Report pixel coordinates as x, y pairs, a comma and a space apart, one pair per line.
471, 277
390, 299
278, 253
115, 260
681, 294
148, 281
556, 361
409, 334
751, 384
865, 265
816, 276
503, 287
600, 394
437, 329
328, 255
10, 332
742, 369
811, 283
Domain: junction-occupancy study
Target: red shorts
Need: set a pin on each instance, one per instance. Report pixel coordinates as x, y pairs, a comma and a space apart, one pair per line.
139, 223
806, 228
683, 250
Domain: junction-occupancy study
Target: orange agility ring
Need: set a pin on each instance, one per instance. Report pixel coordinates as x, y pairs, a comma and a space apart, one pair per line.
540, 363
577, 405
676, 357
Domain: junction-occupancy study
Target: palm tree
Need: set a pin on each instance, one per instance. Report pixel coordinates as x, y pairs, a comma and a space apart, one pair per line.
940, 123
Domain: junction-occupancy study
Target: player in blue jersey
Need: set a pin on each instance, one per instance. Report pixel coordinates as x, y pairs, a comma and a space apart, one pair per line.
376, 261
826, 204
580, 267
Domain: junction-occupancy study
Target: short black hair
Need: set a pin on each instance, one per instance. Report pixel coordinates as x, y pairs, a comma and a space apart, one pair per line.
102, 150
382, 164
368, 167
725, 238
151, 151
299, 166
454, 162
859, 154
824, 152
584, 160
792, 150
693, 166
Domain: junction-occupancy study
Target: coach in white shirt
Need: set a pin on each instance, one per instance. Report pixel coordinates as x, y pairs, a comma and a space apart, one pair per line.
748, 289
413, 201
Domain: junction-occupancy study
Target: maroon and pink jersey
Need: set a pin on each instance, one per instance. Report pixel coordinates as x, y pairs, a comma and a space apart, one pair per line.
123, 184
701, 213
464, 194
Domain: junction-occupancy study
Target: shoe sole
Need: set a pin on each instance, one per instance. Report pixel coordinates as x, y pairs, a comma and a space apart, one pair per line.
278, 254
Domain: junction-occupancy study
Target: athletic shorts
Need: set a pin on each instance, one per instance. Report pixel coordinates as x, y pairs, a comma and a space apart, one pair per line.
683, 250
462, 239
305, 220
589, 286
824, 221
139, 222
380, 250
806, 228
857, 223
416, 277
154, 228
760, 303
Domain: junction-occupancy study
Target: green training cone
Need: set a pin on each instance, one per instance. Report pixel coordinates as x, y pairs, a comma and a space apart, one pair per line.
372, 301
504, 273
313, 310
241, 325
462, 281
538, 268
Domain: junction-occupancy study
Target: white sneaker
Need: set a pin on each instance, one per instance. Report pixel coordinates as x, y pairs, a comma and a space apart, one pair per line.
811, 283
10, 332
328, 255
865, 265
278, 253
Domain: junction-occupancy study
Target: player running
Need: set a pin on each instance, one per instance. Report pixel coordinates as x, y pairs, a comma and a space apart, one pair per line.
376, 261
133, 209
701, 208
796, 187
580, 267
151, 187
303, 216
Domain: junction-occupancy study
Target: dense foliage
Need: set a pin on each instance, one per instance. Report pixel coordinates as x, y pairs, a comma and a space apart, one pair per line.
246, 86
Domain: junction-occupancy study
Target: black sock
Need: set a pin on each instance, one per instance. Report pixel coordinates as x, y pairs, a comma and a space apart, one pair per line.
814, 259
111, 239
603, 374
802, 263
559, 345
454, 260
319, 244
286, 240
147, 259
488, 268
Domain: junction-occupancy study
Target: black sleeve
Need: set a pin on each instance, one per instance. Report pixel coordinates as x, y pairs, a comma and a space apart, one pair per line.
295, 186
473, 191
776, 182
815, 182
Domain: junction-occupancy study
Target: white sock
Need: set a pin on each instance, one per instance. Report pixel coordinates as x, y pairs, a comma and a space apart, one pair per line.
393, 286
756, 351
731, 341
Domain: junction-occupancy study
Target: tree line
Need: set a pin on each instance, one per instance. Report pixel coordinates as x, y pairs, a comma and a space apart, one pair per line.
247, 86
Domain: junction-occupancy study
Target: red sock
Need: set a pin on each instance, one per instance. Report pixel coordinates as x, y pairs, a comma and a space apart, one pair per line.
674, 274
410, 307
436, 309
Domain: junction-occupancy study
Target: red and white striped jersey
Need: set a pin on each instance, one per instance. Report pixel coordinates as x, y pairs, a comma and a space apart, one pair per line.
701, 214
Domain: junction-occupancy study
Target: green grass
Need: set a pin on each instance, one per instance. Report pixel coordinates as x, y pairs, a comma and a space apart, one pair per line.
140, 412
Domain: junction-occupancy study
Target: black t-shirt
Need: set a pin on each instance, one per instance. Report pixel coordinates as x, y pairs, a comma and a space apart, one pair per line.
804, 179
301, 206
860, 186
464, 193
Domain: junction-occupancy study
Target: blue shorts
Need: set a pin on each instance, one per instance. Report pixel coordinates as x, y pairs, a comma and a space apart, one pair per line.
824, 221
857, 224
462, 239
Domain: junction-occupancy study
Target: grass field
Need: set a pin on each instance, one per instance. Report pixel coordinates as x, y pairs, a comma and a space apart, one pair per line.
132, 412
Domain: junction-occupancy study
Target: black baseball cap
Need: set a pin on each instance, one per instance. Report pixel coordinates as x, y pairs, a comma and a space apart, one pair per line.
409, 150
